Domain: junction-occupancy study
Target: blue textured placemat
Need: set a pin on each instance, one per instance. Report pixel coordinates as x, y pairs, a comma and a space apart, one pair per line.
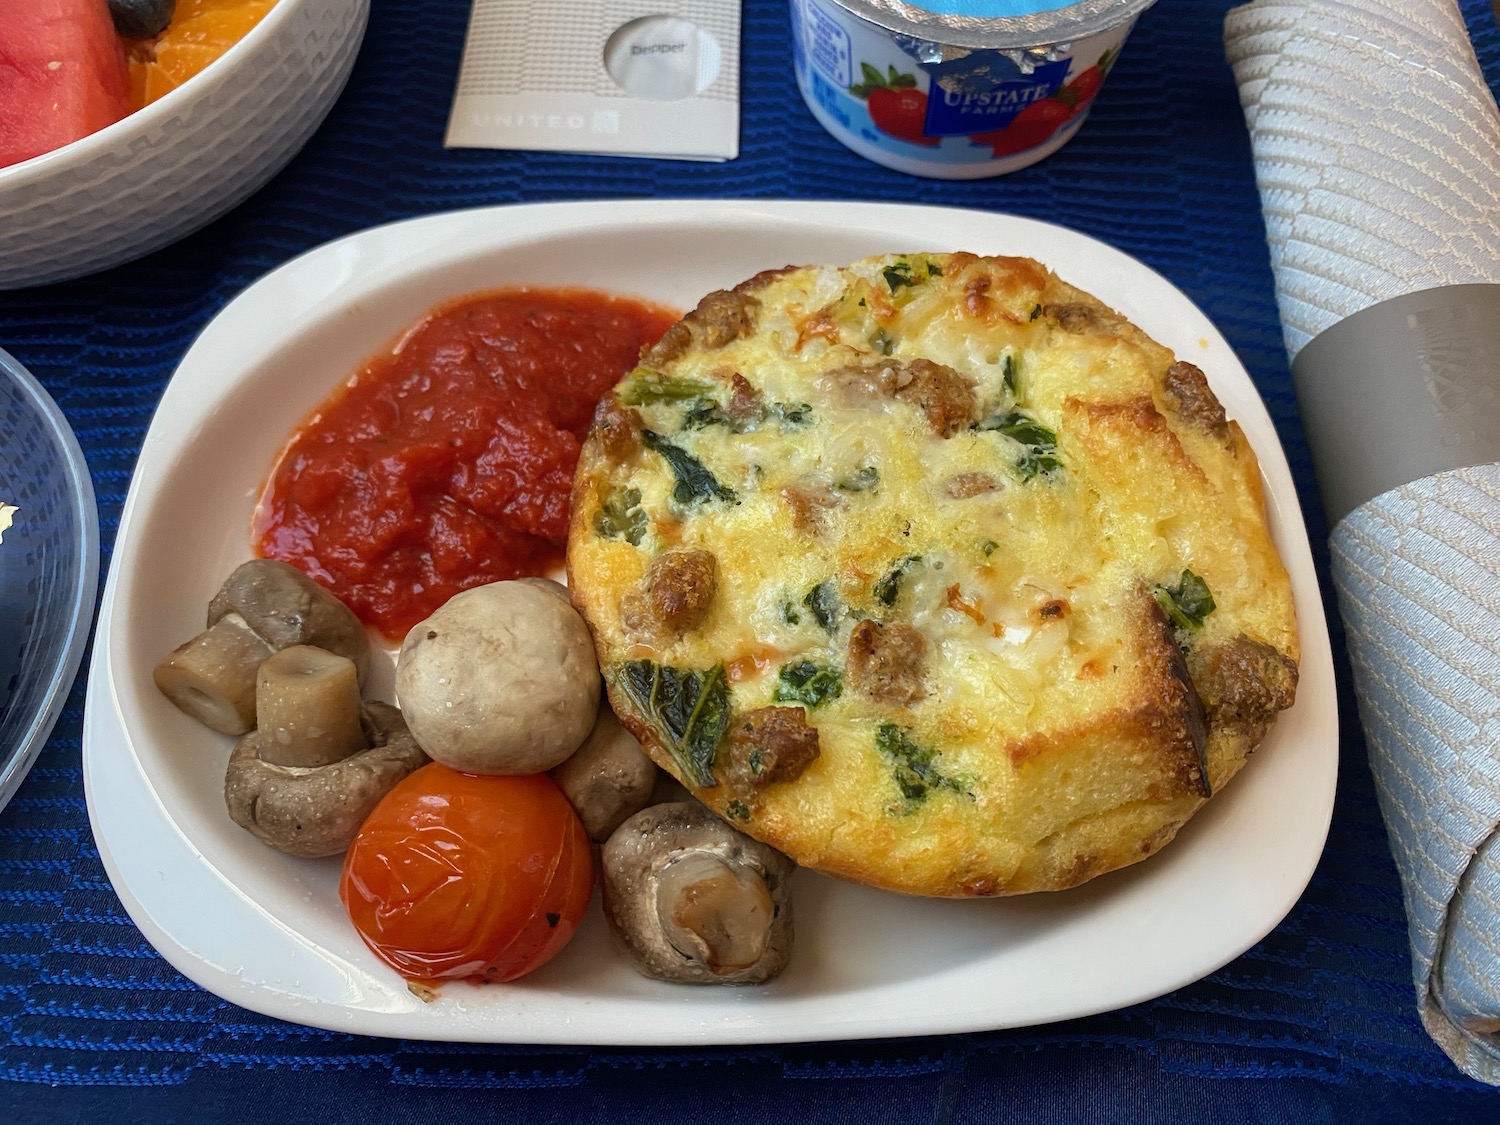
1316, 1023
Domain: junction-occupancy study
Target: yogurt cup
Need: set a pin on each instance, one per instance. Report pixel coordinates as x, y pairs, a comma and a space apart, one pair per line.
956, 89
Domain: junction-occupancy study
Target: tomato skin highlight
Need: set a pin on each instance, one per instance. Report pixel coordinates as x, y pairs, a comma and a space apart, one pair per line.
455, 876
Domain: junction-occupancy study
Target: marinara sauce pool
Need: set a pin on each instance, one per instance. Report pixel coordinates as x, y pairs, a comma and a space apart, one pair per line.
448, 462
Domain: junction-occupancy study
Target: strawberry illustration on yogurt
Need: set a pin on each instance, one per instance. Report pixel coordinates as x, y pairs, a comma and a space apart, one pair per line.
1040, 120
1088, 83
896, 106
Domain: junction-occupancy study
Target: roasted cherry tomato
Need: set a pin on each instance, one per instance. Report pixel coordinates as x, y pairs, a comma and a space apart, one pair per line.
457, 876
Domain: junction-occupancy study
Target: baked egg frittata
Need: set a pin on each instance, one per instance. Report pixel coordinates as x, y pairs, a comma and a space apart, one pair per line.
932, 572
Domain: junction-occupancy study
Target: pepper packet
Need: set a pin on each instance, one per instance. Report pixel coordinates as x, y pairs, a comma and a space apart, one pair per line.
613, 77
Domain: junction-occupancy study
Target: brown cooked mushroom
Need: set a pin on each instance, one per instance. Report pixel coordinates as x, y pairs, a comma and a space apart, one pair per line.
212, 676
312, 811
668, 790
287, 608
557, 589
307, 707
263, 607
501, 679
694, 901
608, 778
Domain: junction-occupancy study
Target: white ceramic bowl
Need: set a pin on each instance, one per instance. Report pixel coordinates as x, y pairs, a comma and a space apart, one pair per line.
184, 160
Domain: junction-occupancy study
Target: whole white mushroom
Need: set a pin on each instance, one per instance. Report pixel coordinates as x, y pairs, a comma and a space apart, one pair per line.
502, 679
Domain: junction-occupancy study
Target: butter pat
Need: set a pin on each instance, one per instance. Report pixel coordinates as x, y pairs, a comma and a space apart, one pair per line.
613, 77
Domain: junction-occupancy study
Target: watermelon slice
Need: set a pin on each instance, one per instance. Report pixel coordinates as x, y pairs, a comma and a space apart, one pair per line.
63, 75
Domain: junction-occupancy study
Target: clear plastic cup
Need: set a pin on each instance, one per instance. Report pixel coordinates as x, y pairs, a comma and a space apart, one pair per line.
956, 89
49, 568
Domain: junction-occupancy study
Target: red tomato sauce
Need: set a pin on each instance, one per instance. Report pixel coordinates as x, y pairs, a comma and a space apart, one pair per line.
448, 462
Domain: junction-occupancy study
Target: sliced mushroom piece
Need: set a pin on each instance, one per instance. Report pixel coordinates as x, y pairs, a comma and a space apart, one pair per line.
263, 607
694, 901
212, 676
608, 778
287, 608
315, 811
307, 707
714, 912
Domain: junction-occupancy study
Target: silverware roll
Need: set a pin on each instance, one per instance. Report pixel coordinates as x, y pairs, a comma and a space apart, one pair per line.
1377, 154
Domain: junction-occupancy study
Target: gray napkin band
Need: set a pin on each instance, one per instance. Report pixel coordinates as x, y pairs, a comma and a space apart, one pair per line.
1401, 390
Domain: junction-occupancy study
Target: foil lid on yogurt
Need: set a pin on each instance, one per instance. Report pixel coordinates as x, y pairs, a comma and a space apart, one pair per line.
997, 24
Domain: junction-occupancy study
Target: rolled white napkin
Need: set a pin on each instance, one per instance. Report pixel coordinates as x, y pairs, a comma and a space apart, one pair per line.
1377, 153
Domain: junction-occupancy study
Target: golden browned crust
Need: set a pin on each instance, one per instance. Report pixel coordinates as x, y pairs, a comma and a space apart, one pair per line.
963, 524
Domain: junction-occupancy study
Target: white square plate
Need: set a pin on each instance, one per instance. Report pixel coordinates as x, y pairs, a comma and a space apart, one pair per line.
267, 931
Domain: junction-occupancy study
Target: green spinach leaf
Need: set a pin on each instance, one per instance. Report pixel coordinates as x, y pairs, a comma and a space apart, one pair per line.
914, 766
694, 482
862, 481
790, 414
808, 683
702, 412
1039, 444
1187, 603
899, 273
903, 272
621, 517
827, 608
689, 708
888, 589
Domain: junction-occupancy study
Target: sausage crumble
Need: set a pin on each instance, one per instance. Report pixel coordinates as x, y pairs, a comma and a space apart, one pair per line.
887, 662
680, 588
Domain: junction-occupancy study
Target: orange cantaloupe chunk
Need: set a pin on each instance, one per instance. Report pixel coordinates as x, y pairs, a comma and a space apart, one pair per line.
199, 34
